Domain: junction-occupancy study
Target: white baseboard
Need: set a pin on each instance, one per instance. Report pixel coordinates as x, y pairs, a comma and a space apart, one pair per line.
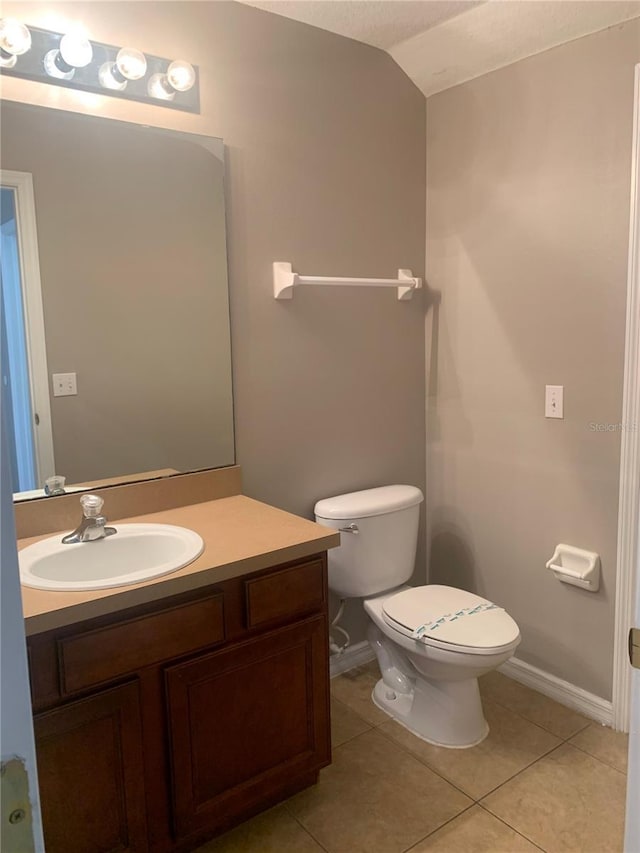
562, 691
356, 655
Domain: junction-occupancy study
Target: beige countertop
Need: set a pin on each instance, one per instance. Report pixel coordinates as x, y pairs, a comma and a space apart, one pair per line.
241, 535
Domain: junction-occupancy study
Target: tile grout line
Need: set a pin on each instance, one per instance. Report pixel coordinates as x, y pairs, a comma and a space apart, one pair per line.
595, 758
522, 770
348, 740
424, 764
410, 755
517, 831
438, 828
566, 739
511, 778
300, 824
359, 716
528, 767
310, 834
453, 784
540, 726
348, 708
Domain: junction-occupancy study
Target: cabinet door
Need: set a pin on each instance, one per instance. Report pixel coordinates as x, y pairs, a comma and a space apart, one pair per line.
90, 774
247, 722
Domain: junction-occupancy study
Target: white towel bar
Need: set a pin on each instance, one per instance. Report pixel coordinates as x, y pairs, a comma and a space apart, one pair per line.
284, 280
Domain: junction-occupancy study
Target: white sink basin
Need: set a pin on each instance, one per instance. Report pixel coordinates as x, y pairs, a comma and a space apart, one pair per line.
137, 552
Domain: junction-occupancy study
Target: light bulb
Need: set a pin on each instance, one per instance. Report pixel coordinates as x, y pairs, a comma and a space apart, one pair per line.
181, 75
110, 78
75, 51
15, 39
158, 87
131, 63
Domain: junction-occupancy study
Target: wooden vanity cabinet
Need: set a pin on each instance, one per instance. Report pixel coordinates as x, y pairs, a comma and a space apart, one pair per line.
163, 725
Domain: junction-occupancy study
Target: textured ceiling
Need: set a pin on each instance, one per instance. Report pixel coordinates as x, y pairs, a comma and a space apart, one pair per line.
499, 33
382, 23
441, 43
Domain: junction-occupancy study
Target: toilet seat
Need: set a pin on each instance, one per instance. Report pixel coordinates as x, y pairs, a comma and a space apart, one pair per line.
450, 618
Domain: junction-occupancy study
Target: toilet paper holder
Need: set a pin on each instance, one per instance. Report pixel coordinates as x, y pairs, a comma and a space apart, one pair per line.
576, 566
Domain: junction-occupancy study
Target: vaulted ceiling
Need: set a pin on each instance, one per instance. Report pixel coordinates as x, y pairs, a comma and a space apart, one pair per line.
440, 43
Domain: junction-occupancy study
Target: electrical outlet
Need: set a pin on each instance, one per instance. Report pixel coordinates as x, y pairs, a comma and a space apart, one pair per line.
554, 401
64, 384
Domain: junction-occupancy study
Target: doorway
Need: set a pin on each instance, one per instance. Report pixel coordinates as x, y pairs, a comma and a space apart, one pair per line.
24, 374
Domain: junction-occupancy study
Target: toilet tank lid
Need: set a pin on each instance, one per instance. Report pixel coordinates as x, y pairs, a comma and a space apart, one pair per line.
369, 502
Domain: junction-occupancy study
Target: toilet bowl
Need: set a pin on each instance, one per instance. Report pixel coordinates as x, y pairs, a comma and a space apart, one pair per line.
442, 704
432, 642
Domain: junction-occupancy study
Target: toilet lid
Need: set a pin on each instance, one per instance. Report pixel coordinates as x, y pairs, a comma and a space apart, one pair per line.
443, 614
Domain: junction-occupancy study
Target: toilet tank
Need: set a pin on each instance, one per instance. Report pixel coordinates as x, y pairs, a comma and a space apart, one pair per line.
380, 552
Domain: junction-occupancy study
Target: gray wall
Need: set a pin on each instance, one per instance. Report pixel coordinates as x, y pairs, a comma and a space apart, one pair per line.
326, 141
528, 177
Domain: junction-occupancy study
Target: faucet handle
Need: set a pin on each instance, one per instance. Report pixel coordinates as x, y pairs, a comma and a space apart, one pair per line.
91, 505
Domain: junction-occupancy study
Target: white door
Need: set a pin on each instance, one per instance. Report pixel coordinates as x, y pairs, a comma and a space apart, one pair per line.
16, 728
632, 835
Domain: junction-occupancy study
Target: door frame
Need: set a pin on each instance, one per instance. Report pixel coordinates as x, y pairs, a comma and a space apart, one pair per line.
22, 184
629, 495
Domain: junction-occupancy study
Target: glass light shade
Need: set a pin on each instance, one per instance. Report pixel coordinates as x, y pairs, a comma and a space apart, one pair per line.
107, 78
76, 50
52, 69
181, 75
158, 87
15, 39
131, 63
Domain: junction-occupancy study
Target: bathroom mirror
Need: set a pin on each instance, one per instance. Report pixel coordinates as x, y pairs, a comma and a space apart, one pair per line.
125, 336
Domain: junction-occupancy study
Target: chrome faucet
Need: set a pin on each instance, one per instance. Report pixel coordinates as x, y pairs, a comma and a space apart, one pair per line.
93, 522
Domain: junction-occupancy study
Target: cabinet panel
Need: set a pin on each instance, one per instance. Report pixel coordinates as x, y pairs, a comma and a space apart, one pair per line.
243, 721
92, 657
90, 772
295, 591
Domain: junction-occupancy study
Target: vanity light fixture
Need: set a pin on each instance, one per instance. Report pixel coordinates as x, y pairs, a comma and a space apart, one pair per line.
73, 61
15, 40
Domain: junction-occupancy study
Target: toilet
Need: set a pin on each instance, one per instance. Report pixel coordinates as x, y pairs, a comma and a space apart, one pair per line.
432, 642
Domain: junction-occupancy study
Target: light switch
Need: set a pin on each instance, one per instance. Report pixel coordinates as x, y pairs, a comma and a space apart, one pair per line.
64, 384
554, 401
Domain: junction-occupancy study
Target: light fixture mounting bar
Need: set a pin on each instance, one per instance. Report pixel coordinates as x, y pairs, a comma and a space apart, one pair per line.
30, 66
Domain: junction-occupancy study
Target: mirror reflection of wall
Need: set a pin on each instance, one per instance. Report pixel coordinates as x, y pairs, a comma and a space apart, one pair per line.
131, 244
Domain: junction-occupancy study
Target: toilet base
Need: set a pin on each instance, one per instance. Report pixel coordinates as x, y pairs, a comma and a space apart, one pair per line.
447, 714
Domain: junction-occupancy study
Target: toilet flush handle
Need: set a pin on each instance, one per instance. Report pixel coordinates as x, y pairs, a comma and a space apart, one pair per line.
351, 528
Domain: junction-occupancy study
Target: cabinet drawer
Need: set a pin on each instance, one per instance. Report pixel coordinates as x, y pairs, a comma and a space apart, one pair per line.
289, 592
97, 656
